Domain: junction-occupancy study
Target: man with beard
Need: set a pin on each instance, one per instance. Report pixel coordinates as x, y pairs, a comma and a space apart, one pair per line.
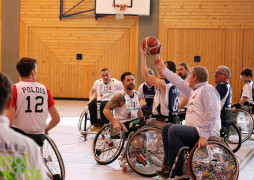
183, 71
125, 104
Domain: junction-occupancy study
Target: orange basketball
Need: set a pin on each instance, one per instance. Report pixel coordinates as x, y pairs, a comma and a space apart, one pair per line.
152, 44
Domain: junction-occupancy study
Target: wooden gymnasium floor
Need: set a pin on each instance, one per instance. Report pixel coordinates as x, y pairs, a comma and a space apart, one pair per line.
78, 157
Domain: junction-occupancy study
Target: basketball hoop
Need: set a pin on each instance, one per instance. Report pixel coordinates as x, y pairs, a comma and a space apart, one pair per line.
120, 10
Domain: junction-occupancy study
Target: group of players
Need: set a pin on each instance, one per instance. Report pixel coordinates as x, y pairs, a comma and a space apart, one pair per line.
164, 97
27, 104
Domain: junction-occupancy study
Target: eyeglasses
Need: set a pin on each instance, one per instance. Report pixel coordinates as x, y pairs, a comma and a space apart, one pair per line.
218, 73
242, 76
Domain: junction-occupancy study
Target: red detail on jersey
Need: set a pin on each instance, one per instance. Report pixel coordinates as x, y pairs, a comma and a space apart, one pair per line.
193, 96
101, 95
109, 88
14, 96
129, 115
51, 101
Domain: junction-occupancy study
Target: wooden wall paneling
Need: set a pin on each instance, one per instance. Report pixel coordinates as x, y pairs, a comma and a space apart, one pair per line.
233, 60
105, 42
207, 14
248, 49
134, 51
162, 36
60, 46
184, 44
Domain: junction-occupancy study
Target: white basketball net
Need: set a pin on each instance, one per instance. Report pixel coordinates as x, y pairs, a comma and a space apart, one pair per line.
120, 10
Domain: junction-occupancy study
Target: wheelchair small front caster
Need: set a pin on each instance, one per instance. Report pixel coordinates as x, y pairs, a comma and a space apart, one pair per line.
85, 136
125, 169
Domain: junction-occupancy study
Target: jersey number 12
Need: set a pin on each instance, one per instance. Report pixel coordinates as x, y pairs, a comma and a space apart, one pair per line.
37, 105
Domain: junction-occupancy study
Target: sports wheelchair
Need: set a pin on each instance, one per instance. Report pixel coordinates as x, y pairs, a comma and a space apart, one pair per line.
51, 156
244, 122
91, 121
229, 131
215, 161
52, 160
143, 152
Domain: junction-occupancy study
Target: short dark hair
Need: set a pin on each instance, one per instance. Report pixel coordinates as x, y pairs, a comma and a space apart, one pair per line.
171, 66
105, 69
247, 72
5, 91
126, 74
25, 65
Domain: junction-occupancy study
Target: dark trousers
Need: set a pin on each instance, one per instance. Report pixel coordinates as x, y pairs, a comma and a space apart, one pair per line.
96, 112
38, 138
174, 137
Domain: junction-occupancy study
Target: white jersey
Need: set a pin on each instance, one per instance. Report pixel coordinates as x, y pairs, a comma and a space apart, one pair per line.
15, 147
248, 91
196, 113
166, 108
129, 110
31, 100
105, 92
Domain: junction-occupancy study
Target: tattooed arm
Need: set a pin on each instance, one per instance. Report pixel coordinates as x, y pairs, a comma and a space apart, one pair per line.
117, 101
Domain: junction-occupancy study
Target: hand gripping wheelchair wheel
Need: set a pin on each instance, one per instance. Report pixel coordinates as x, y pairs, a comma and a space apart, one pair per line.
52, 159
216, 161
144, 151
108, 144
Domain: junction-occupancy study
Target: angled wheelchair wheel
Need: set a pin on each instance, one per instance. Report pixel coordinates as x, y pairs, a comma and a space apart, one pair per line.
83, 124
216, 161
108, 144
233, 138
244, 123
144, 151
52, 159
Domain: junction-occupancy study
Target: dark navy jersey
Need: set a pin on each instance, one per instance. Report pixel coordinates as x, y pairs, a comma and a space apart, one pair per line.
147, 93
225, 92
173, 99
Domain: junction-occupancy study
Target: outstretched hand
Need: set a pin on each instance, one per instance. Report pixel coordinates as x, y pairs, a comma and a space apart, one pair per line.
159, 64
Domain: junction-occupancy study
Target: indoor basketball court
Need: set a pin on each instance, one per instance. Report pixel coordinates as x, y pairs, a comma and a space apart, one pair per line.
78, 156
72, 40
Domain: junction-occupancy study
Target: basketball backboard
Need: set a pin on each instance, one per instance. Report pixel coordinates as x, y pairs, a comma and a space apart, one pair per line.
134, 7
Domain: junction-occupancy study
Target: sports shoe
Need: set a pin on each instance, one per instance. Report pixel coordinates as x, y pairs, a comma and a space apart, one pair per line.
96, 127
176, 172
163, 173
